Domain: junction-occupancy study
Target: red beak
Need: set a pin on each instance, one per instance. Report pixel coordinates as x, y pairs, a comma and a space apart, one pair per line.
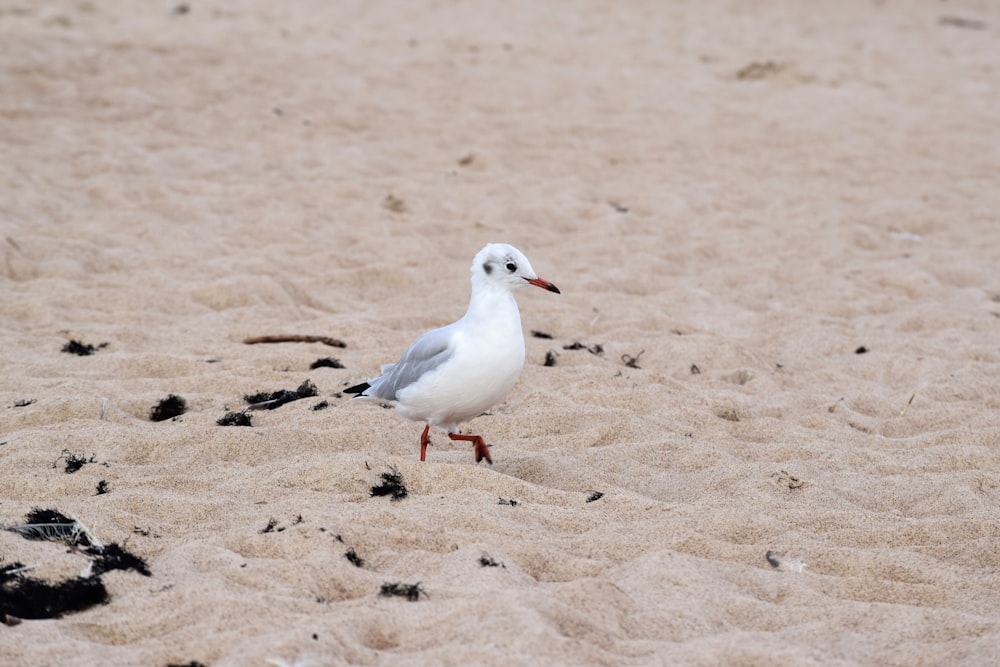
544, 284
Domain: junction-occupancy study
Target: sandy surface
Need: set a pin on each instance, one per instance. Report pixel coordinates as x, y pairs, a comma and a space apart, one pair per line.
787, 212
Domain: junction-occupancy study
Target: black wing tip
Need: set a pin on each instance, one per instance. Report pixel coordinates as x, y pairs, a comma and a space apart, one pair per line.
358, 388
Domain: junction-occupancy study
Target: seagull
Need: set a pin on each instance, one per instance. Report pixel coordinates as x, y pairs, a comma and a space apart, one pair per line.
452, 374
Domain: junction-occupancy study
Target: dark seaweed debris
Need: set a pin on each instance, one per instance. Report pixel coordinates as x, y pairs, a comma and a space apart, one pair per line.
82, 349
102, 488
595, 349
411, 592
550, 358
326, 362
30, 598
23, 597
594, 495
504, 501
861, 350
114, 557
541, 334
488, 561
322, 405
235, 419
275, 399
74, 462
392, 485
272, 526
193, 663
170, 407
353, 556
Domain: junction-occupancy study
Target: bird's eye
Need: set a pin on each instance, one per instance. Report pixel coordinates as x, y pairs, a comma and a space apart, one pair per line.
512, 267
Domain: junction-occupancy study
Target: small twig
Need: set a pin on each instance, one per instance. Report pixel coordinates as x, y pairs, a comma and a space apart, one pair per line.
295, 338
908, 404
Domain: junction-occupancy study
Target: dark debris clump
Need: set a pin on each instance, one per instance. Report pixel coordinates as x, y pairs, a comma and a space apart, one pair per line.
392, 485
170, 407
275, 399
74, 462
272, 526
24, 597
488, 561
326, 362
82, 349
595, 349
30, 598
235, 419
411, 592
353, 556
115, 557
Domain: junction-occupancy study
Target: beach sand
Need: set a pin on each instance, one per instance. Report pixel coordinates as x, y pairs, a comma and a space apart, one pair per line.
775, 227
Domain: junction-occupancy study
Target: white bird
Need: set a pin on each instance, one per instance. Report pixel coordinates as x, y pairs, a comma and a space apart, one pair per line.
452, 374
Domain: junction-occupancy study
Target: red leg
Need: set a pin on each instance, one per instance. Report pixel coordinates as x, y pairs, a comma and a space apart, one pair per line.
478, 446
424, 441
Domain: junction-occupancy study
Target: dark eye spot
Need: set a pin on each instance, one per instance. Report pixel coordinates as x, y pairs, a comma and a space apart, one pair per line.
488, 268
512, 267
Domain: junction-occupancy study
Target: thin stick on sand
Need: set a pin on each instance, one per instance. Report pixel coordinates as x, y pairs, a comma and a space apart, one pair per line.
908, 404
295, 338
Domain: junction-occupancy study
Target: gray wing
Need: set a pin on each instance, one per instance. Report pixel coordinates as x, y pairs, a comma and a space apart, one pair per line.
426, 354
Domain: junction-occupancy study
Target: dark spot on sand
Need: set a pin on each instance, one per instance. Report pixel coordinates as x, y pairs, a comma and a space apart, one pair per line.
74, 462
961, 22
272, 526
30, 598
353, 556
114, 557
235, 419
596, 349
326, 362
411, 592
541, 334
275, 399
392, 485
170, 407
81, 349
